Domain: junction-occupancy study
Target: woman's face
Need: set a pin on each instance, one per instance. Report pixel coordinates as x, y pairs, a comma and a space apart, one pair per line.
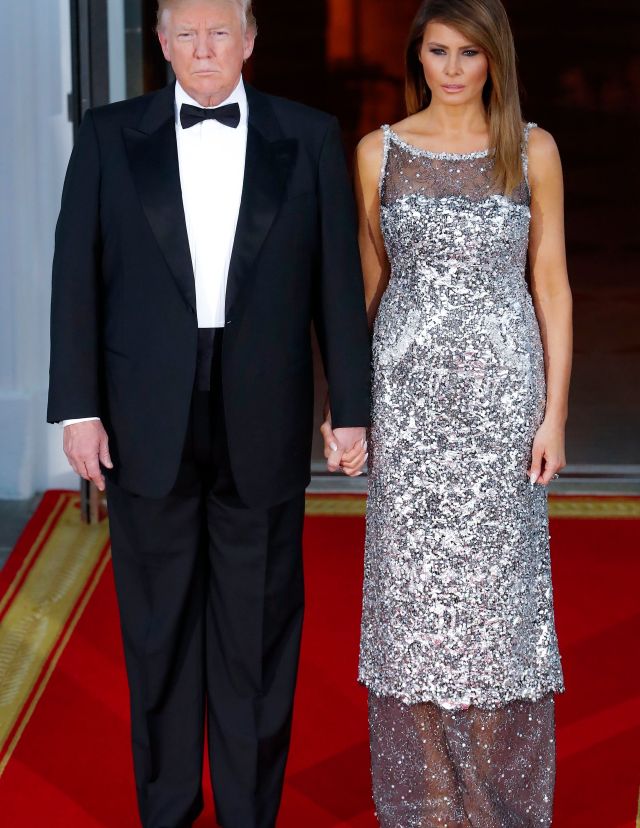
455, 69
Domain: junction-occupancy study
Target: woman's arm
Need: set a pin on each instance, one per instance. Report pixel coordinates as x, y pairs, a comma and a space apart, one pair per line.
375, 268
551, 299
375, 265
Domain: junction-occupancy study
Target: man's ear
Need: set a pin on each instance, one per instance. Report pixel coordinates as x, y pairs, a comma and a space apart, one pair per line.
249, 43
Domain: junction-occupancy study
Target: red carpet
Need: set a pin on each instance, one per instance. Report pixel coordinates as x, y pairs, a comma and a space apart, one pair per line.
64, 753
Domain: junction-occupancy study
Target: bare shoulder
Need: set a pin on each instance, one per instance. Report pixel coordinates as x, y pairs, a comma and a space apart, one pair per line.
542, 143
369, 154
543, 154
371, 146
409, 125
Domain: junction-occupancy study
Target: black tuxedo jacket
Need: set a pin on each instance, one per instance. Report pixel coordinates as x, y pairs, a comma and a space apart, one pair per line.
124, 325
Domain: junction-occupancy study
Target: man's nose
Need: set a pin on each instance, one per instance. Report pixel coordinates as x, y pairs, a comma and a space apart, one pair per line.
202, 46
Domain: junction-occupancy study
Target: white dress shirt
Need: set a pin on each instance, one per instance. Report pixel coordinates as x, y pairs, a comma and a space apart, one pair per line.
211, 159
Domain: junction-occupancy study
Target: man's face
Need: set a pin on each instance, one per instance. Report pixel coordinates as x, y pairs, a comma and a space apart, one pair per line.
204, 42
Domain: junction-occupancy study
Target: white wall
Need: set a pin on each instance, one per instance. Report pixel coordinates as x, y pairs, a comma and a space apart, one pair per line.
35, 142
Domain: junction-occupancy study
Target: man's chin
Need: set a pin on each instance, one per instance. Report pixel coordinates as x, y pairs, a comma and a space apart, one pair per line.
207, 88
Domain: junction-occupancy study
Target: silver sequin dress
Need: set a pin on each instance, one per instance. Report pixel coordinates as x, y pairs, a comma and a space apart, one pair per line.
458, 644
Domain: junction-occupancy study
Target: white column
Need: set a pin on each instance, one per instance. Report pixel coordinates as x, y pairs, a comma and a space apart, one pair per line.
117, 60
35, 143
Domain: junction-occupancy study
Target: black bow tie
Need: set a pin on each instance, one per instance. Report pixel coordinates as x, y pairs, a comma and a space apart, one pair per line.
229, 115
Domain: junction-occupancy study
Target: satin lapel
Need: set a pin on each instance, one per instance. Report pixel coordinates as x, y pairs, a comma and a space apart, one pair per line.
153, 159
267, 167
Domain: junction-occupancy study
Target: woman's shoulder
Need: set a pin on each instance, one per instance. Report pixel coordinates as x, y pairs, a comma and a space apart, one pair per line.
540, 143
371, 145
370, 154
410, 128
542, 151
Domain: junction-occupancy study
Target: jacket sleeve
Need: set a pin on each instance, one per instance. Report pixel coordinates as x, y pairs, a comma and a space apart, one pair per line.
74, 386
340, 316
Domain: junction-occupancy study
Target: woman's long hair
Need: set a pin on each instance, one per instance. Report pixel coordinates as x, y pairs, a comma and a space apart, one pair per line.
486, 24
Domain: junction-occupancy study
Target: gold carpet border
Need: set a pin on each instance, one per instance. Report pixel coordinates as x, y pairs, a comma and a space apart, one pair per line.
41, 609
26, 563
596, 508
560, 506
334, 505
54, 662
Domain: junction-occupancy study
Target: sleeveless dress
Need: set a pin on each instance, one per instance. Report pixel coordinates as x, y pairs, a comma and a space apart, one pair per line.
458, 645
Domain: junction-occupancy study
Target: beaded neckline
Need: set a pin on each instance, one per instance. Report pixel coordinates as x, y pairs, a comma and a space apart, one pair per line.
439, 156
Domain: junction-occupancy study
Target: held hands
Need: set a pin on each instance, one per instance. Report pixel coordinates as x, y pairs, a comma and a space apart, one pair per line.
87, 446
547, 455
344, 448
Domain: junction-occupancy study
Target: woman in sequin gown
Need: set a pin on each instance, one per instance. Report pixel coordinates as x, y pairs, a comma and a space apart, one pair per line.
458, 647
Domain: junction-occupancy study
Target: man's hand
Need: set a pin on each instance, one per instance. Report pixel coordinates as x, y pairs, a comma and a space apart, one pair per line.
344, 448
86, 446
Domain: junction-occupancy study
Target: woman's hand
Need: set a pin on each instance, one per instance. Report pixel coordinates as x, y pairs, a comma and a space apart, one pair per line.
344, 448
547, 455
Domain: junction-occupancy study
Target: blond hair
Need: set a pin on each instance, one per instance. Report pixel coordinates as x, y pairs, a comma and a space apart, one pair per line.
486, 24
246, 11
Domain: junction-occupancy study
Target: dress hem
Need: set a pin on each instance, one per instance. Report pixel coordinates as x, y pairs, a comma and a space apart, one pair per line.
409, 699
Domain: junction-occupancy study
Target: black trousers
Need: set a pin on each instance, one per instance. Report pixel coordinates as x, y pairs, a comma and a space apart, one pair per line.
211, 602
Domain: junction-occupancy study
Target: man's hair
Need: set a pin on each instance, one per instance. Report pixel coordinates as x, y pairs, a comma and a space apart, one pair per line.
245, 6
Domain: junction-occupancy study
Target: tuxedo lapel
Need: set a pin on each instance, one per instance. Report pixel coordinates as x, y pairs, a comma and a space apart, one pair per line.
153, 159
268, 163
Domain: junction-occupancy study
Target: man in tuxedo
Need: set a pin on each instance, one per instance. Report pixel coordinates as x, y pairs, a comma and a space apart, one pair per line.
203, 228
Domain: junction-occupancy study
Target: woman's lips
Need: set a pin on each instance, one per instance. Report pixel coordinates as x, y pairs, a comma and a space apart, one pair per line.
452, 87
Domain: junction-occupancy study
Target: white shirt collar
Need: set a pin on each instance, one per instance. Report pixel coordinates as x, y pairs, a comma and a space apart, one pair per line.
239, 96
